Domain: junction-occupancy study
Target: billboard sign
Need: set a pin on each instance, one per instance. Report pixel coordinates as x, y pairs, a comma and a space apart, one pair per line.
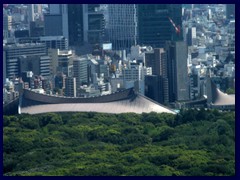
107, 46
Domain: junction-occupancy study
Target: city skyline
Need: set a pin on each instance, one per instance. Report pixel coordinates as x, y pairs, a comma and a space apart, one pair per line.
108, 47
119, 90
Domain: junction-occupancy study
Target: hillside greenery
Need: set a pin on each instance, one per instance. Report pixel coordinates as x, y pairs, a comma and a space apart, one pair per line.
191, 143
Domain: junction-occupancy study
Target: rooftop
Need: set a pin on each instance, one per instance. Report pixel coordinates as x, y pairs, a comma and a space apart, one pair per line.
119, 102
223, 99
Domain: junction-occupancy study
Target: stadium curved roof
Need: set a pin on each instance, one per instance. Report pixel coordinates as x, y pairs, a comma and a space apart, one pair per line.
120, 102
223, 99
218, 98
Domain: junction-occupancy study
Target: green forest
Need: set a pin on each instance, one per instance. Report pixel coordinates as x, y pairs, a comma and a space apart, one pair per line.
191, 143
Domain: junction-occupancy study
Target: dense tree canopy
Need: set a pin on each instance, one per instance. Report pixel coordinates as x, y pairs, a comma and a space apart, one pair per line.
193, 142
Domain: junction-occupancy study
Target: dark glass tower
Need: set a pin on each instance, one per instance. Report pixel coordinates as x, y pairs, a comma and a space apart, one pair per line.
157, 84
176, 56
154, 25
85, 23
75, 24
96, 24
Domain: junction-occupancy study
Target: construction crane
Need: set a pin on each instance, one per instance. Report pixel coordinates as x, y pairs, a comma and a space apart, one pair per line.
177, 29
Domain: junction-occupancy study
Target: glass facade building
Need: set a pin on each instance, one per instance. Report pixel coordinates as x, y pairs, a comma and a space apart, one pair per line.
122, 25
154, 25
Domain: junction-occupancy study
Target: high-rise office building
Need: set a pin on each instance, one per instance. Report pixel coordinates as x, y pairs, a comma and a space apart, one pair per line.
103, 68
36, 28
192, 36
11, 54
122, 25
86, 24
96, 24
149, 61
170, 81
70, 87
158, 61
161, 70
64, 61
177, 54
54, 42
53, 25
153, 88
93, 71
75, 24
39, 65
136, 72
56, 22
80, 70
154, 25
44, 66
79, 23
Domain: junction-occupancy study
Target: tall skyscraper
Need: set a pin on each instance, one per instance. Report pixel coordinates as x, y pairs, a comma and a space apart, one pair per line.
96, 24
155, 59
154, 25
79, 23
122, 25
56, 22
170, 81
53, 25
64, 12
75, 24
177, 53
158, 61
